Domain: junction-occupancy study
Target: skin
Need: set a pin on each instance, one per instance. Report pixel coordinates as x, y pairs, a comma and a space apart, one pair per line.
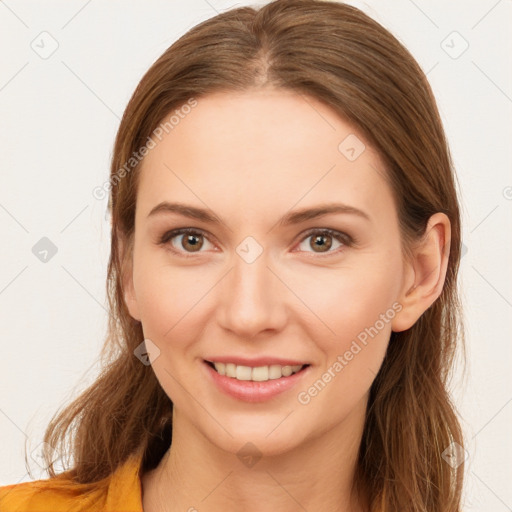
250, 158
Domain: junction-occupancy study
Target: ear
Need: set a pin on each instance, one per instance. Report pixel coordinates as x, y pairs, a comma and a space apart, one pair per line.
425, 274
126, 259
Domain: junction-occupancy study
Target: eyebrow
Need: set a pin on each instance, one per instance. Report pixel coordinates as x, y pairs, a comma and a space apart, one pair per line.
294, 217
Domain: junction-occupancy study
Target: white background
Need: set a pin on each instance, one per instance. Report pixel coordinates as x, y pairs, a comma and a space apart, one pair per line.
59, 117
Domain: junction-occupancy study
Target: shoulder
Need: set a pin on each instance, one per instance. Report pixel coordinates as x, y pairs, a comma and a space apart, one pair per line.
44, 496
120, 491
51, 495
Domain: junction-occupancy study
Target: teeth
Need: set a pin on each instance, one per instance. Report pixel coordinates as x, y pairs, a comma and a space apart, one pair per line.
258, 373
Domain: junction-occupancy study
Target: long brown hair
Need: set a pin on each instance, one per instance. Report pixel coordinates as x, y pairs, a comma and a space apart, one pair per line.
337, 54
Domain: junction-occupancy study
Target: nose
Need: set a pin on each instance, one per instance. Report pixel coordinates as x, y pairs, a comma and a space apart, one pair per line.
253, 298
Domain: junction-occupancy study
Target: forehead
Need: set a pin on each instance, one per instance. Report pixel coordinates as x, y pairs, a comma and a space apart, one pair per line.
251, 150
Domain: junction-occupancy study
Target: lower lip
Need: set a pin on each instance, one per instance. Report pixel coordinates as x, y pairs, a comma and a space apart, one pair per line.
251, 391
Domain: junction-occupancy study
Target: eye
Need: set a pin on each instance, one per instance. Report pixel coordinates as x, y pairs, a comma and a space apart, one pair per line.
322, 239
190, 240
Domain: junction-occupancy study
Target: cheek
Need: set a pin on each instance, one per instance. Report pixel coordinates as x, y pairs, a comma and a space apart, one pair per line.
358, 311
169, 301
167, 298
348, 302
155, 297
161, 295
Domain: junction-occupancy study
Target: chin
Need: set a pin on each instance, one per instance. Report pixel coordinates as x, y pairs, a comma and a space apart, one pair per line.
258, 441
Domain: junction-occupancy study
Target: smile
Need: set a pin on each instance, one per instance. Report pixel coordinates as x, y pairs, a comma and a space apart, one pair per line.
254, 384
256, 374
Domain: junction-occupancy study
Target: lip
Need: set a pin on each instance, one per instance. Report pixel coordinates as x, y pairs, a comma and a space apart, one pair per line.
256, 361
250, 391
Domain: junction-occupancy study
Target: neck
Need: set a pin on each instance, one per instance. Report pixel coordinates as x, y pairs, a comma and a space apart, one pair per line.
195, 474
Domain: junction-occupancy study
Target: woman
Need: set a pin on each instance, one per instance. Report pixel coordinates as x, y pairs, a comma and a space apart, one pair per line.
282, 281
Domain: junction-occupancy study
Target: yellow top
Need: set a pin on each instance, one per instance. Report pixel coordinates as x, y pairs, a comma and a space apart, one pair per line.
119, 492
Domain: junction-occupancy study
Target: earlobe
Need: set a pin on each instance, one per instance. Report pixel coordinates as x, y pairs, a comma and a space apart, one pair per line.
425, 273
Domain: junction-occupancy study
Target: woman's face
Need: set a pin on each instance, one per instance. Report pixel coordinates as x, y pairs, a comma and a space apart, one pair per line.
264, 281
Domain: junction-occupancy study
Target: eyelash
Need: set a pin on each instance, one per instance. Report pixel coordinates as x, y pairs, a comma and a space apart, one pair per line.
345, 239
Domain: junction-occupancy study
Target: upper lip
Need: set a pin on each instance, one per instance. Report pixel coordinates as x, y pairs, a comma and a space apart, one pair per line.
255, 362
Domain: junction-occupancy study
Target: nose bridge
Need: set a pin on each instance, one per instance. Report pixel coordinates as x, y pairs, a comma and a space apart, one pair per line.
251, 300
